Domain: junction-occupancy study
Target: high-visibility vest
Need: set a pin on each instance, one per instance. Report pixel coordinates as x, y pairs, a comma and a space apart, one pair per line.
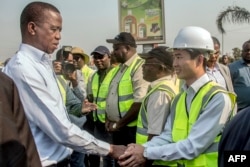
62, 84
142, 121
125, 89
100, 92
182, 124
86, 73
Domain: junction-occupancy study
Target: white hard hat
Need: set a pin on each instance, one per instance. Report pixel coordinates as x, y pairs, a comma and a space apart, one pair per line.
194, 38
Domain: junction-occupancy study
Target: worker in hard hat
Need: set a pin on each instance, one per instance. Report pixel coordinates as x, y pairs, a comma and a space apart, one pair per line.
197, 115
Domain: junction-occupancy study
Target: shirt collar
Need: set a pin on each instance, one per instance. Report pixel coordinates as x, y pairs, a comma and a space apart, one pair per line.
35, 53
197, 84
130, 60
243, 61
154, 83
216, 68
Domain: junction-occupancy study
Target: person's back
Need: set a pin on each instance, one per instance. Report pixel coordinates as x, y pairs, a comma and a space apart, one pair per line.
235, 136
17, 146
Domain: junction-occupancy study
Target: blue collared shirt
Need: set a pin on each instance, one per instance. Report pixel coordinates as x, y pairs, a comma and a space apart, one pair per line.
240, 73
208, 125
31, 71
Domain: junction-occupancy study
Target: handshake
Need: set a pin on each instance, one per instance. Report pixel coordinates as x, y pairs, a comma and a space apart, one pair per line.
130, 156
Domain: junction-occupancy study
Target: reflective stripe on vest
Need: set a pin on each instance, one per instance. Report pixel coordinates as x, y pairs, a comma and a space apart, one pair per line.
142, 121
125, 89
183, 121
100, 92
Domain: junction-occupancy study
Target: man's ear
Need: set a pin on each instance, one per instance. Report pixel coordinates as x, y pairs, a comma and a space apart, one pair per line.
32, 28
200, 59
127, 47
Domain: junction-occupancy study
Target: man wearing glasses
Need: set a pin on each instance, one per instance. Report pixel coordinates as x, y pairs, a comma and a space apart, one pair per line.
81, 61
217, 71
158, 70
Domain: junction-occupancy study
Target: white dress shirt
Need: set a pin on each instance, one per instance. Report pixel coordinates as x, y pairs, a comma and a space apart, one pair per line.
54, 134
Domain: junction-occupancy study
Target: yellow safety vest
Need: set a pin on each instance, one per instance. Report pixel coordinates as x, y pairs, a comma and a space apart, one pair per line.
62, 87
182, 124
142, 121
125, 89
100, 92
86, 72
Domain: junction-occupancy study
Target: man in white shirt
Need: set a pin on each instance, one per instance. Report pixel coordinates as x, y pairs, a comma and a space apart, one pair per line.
30, 68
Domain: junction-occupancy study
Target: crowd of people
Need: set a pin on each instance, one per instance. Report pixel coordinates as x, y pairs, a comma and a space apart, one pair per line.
166, 107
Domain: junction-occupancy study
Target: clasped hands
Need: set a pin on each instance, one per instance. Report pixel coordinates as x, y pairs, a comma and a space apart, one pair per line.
130, 156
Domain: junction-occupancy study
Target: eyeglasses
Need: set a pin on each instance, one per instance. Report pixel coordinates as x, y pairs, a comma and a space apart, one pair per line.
76, 58
98, 56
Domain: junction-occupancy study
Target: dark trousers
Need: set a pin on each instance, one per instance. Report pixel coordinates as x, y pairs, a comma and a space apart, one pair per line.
63, 163
101, 134
77, 159
91, 160
124, 136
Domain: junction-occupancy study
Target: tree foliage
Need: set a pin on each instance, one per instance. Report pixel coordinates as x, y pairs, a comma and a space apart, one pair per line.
236, 53
233, 14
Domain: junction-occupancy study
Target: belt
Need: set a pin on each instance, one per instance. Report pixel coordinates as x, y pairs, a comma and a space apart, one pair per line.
63, 163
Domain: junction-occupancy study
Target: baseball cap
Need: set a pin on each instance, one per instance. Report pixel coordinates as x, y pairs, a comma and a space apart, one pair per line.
123, 38
79, 51
162, 53
101, 50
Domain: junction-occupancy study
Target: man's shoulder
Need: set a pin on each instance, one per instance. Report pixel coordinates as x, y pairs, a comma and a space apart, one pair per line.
235, 63
222, 65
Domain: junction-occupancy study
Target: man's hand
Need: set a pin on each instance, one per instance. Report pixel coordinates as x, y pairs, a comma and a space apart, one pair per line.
133, 156
116, 151
111, 126
71, 76
88, 107
57, 65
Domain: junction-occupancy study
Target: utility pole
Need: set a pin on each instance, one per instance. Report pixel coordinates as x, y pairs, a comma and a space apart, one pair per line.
222, 44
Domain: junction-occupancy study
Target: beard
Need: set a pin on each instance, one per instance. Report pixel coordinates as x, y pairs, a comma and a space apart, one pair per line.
246, 60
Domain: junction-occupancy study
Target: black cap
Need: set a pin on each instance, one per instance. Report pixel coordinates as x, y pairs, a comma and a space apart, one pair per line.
123, 38
162, 53
101, 50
